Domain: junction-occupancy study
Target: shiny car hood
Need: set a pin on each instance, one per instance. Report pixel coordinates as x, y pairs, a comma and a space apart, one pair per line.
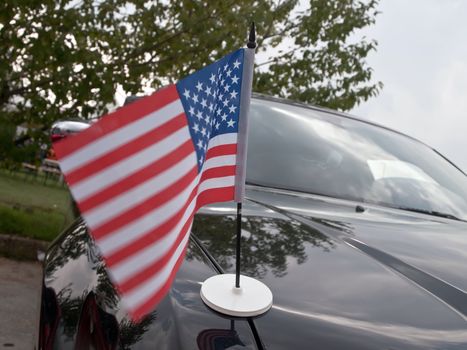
79, 304
377, 279
341, 279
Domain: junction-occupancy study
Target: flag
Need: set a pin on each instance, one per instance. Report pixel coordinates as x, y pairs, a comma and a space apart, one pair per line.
138, 175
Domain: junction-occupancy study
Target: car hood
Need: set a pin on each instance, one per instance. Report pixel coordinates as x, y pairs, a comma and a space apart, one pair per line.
345, 278
341, 279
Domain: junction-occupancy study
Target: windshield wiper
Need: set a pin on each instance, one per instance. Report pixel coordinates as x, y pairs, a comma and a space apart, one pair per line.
431, 212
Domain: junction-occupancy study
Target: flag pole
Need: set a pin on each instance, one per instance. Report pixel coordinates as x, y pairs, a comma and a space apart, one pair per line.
251, 45
239, 236
223, 292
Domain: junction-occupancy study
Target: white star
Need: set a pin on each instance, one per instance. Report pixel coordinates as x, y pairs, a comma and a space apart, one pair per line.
236, 64
221, 97
195, 98
207, 119
212, 78
201, 160
218, 111
224, 117
199, 115
235, 79
231, 123
233, 94
203, 131
226, 102
217, 126
204, 103
222, 82
225, 67
191, 111
186, 94
199, 86
226, 87
200, 144
229, 72
211, 107
196, 128
208, 91
232, 109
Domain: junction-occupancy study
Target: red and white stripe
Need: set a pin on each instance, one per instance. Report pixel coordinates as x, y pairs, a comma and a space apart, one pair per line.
135, 178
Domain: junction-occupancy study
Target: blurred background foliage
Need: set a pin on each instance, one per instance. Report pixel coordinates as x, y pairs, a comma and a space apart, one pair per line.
14, 148
62, 59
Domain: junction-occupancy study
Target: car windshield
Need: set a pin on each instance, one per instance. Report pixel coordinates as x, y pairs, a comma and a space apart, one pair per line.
297, 148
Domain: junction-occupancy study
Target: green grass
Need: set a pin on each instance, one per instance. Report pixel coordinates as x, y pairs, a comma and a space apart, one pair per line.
34, 223
30, 208
25, 190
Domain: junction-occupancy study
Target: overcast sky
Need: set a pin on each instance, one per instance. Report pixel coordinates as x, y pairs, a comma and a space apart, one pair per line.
422, 61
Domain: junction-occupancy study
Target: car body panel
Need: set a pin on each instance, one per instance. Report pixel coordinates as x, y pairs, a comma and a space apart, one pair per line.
331, 293
74, 273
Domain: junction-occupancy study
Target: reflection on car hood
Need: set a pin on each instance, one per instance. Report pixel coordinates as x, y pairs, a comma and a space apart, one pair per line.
80, 303
341, 279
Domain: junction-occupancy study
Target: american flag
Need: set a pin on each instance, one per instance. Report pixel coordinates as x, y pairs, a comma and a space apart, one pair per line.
139, 174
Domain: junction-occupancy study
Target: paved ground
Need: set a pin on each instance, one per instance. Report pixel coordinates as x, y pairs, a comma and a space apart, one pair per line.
19, 303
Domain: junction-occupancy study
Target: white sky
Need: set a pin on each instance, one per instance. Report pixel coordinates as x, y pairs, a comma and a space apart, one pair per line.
422, 61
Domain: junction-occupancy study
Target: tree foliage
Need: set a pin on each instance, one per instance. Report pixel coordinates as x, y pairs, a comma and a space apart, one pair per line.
66, 58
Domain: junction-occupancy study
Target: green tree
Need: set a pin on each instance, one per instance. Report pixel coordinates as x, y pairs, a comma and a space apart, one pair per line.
65, 58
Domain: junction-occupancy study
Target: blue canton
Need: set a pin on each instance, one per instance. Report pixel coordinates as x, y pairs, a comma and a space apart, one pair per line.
211, 100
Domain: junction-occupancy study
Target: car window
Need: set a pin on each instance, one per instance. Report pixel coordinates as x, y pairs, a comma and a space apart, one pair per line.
297, 148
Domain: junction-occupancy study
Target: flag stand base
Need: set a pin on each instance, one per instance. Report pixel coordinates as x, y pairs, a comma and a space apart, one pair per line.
253, 298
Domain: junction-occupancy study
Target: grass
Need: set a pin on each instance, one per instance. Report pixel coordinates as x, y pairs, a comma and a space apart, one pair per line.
30, 208
32, 223
26, 190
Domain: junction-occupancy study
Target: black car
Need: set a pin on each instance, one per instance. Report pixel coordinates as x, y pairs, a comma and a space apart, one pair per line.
359, 231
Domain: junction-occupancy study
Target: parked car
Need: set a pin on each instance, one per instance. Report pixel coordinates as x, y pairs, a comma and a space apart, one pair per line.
359, 231
64, 128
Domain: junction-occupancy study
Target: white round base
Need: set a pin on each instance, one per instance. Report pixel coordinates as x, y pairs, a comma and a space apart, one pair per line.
253, 298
